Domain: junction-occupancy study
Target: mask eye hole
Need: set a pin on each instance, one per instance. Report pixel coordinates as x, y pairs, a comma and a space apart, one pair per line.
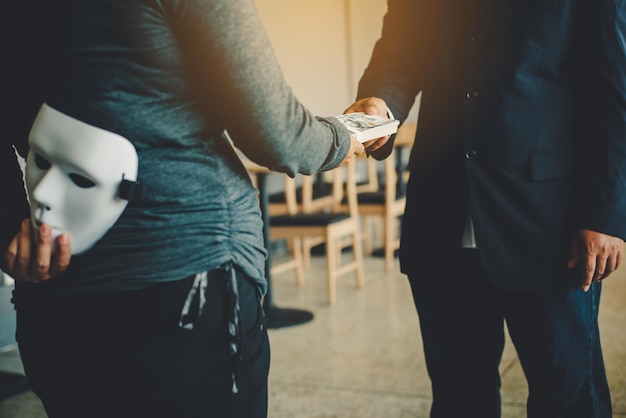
42, 163
81, 181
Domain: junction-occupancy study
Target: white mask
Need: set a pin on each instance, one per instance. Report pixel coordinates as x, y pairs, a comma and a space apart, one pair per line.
73, 175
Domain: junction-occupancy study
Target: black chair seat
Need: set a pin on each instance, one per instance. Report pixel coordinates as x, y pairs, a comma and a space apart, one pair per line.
318, 193
375, 198
308, 219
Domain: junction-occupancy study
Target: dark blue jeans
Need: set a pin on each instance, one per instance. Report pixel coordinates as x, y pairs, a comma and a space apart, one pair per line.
555, 334
124, 355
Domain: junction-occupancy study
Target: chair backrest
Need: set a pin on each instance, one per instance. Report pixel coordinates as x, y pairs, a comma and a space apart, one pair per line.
309, 194
321, 192
350, 189
342, 183
389, 170
370, 184
393, 168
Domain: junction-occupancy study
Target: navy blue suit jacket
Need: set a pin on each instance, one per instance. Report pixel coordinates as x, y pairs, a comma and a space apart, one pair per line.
522, 124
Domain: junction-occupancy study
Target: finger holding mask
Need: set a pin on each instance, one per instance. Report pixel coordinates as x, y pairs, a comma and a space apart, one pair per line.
30, 258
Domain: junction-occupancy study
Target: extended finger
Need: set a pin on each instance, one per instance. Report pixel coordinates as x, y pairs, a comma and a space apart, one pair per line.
588, 272
611, 266
21, 265
62, 255
41, 264
603, 268
614, 258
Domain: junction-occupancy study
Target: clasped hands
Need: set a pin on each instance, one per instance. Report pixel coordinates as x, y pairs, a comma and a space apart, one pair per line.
33, 260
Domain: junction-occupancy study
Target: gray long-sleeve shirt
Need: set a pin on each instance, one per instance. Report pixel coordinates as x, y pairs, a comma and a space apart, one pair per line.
170, 76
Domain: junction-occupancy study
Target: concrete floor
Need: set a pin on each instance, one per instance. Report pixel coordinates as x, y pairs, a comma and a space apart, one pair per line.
362, 358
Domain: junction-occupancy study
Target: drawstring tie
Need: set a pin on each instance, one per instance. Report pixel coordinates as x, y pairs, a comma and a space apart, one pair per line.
233, 322
196, 299
194, 304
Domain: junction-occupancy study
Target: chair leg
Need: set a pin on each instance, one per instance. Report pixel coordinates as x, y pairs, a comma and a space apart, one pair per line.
367, 235
357, 248
306, 252
295, 263
331, 266
297, 255
379, 230
389, 241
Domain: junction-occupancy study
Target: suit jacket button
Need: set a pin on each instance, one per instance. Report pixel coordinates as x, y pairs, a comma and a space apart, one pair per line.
471, 154
471, 95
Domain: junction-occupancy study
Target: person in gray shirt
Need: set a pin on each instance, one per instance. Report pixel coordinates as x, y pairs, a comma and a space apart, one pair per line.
161, 316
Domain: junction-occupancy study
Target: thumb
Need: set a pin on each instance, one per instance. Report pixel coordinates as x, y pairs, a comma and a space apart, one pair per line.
371, 109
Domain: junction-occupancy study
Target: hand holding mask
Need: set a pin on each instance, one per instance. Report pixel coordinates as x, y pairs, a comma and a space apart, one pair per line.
74, 174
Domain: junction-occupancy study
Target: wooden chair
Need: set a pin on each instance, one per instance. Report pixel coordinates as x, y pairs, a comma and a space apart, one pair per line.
326, 194
308, 197
337, 228
312, 194
370, 183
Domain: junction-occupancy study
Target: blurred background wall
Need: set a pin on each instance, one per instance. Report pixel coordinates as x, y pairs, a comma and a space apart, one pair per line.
323, 47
